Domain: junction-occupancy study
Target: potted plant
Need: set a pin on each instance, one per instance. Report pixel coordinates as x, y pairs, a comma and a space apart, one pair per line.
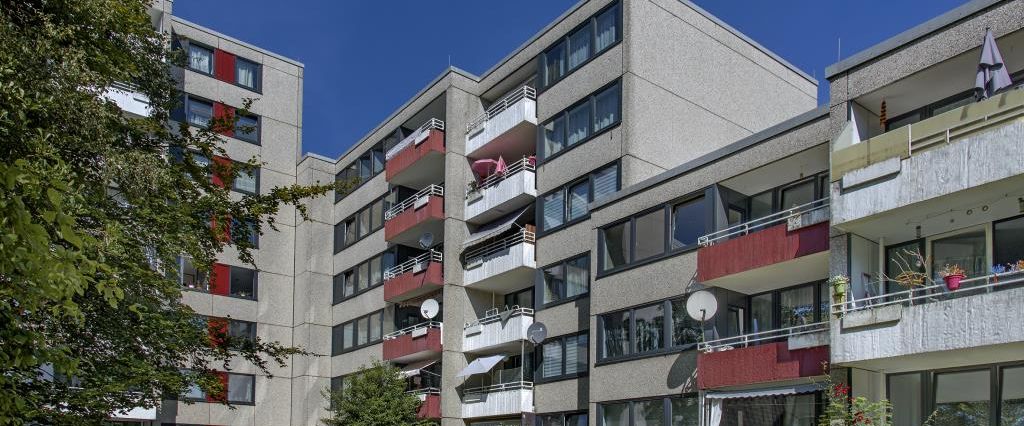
839, 284
952, 274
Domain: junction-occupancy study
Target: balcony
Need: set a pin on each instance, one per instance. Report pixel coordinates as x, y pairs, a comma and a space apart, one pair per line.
932, 327
423, 212
501, 193
770, 356
955, 160
502, 266
788, 247
135, 414
418, 159
430, 403
508, 128
415, 277
416, 343
503, 399
129, 99
497, 331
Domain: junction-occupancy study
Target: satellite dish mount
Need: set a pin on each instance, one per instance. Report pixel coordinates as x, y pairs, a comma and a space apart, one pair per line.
429, 309
702, 305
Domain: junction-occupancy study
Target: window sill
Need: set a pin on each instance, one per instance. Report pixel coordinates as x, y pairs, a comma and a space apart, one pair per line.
645, 355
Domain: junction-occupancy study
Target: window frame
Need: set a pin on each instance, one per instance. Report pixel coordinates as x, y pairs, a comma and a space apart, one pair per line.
252, 390
666, 404
776, 297
380, 146
564, 189
375, 224
667, 347
590, 100
339, 348
258, 87
255, 282
255, 174
213, 57
354, 270
542, 82
538, 354
562, 298
188, 107
562, 414
929, 383
257, 131
253, 330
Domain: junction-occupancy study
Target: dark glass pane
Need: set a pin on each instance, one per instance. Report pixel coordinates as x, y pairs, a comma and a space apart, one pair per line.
688, 222
377, 156
685, 330
615, 414
577, 276
554, 60
554, 283
578, 124
350, 283
579, 196
962, 398
338, 289
579, 45
966, 250
554, 137
1012, 396
650, 328
242, 329
552, 210
1008, 241
616, 334
607, 29
650, 235
685, 412
761, 205
606, 108
798, 195
761, 313
247, 128
615, 242
797, 306
905, 396
902, 263
649, 413
243, 282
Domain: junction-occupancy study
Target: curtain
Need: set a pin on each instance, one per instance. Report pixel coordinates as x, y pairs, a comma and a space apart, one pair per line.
199, 59
246, 74
577, 277
552, 364
606, 181
714, 412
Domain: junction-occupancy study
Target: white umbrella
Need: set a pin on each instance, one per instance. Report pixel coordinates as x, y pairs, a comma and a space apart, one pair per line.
480, 365
992, 76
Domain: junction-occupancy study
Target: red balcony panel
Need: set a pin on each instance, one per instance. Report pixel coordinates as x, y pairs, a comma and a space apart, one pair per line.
413, 284
430, 408
411, 217
434, 144
759, 364
759, 249
406, 348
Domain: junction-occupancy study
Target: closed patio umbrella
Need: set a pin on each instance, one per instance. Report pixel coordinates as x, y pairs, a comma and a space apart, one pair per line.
992, 75
484, 167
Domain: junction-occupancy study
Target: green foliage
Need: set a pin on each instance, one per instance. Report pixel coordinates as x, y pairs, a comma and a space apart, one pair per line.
374, 396
843, 409
92, 205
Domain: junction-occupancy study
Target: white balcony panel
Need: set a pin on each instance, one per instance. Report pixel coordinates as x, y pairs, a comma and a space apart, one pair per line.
977, 328
497, 403
510, 133
129, 99
137, 413
501, 271
492, 334
508, 195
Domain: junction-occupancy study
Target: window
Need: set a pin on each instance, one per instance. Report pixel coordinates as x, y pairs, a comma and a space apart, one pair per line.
789, 410
666, 411
199, 112
643, 236
200, 58
567, 279
562, 419
522, 298
1012, 395
1008, 241
580, 122
982, 395
242, 329
241, 388
762, 315
247, 74
252, 230
583, 43
243, 283
364, 168
364, 276
246, 181
190, 277
563, 357
798, 194
963, 397
357, 333
571, 202
195, 393
905, 395
652, 328
797, 306
965, 249
362, 223
247, 128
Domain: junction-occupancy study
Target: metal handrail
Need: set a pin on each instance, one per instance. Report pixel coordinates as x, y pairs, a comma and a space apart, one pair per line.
424, 391
495, 178
525, 92
754, 338
416, 137
515, 311
931, 293
408, 330
521, 236
397, 209
772, 219
500, 387
409, 265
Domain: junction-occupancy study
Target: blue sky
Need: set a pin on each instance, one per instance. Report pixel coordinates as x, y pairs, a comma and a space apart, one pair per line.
364, 58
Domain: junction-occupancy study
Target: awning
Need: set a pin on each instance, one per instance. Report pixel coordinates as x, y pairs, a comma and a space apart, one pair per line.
754, 393
494, 228
480, 365
414, 368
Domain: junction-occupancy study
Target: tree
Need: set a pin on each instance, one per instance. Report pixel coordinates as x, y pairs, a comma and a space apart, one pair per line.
374, 396
96, 210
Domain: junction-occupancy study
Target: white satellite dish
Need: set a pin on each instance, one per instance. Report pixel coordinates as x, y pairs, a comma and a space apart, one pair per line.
429, 308
702, 305
426, 240
537, 332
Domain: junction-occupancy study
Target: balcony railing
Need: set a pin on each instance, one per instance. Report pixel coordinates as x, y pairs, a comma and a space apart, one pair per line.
498, 387
478, 254
493, 315
422, 393
761, 337
526, 163
414, 330
525, 92
761, 223
415, 138
417, 200
932, 293
415, 264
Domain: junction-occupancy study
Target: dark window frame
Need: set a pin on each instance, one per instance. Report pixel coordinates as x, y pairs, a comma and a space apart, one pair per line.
666, 402
562, 414
354, 218
187, 107
257, 131
258, 87
542, 82
564, 189
354, 270
543, 157
382, 147
995, 249
539, 302
776, 295
538, 354
252, 391
256, 175
667, 347
929, 383
339, 348
187, 46
255, 283
253, 330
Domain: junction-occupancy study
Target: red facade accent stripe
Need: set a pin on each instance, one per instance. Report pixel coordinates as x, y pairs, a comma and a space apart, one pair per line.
220, 279
223, 66
226, 113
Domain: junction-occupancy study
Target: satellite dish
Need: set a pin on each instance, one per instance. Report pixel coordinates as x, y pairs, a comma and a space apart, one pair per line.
537, 332
702, 305
426, 240
429, 308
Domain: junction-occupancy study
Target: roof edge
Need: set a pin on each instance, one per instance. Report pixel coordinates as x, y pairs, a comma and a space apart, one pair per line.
184, 21
913, 34
712, 157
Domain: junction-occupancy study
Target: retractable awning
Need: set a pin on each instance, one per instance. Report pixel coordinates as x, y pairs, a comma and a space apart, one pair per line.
414, 368
754, 393
494, 228
480, 365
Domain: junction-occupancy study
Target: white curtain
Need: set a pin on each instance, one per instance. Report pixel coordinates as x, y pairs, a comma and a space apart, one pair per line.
246, 75
714, 412
199, 59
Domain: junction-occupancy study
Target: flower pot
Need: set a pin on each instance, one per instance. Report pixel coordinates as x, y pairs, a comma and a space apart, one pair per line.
953, 281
